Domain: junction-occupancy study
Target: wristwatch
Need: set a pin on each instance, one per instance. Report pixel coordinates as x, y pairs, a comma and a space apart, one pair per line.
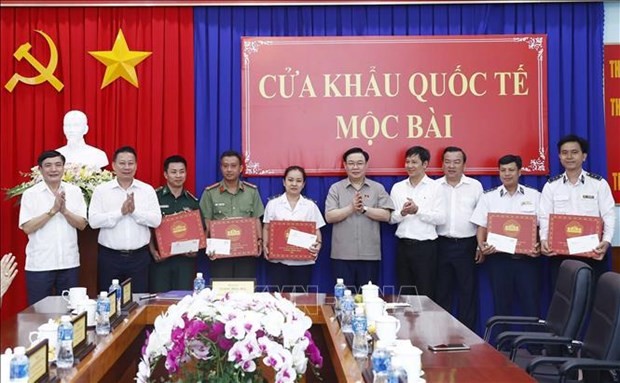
365, 209
50, 212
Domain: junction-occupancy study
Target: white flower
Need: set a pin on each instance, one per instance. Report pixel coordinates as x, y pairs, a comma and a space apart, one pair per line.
286, 375
260, 327
144, 371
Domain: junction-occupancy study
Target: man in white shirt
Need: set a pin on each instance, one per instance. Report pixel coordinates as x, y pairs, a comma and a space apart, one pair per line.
50, 213
577, 192
124, 210
418, 208
457, 239
512, 275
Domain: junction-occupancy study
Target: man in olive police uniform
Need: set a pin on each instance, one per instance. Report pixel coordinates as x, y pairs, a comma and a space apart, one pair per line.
232, 198
175, 272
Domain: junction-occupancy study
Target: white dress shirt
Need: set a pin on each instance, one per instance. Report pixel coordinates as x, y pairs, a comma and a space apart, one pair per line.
461, 200
497, 200
278, 209
427, 194
590, 196
54, 246
118, 231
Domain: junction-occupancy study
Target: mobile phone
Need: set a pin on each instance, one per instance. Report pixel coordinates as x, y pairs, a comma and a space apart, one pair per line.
449, 347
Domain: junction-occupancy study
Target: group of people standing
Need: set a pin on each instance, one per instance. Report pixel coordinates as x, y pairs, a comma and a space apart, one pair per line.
441, 225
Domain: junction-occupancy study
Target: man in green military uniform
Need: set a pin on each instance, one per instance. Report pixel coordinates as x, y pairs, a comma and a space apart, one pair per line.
232, 198
175, 272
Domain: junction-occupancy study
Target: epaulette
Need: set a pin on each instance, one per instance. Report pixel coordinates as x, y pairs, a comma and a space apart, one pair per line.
553, 179
249, 184
191, 195
159, 189
491, 189
594, 175
213, 186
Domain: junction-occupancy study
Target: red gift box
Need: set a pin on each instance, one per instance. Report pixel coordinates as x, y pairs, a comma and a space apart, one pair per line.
564, 226
183, 226
242, 235
519, 226
278, 236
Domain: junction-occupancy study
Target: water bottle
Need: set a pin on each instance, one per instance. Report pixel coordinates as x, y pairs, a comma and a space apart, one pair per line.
380, 365
347, 305
119, 292
102, 327
338, 294
19, 366
199, 283
360, 343
64, 358
397, 372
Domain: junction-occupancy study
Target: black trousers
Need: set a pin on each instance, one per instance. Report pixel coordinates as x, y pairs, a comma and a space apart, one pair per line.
238, 267
515, 277
457, 278
416, 266
290, 278
121, 265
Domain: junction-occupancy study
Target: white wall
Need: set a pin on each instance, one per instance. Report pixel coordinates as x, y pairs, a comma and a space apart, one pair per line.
612, 36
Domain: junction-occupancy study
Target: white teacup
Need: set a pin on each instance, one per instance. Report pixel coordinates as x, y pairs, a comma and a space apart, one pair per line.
411, 360
90, 306
370, 291
74, 295
47, 331
386, 327
374, 308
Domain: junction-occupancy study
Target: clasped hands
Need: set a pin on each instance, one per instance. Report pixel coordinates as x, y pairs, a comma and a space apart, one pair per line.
60, 203
409, 207
129, 205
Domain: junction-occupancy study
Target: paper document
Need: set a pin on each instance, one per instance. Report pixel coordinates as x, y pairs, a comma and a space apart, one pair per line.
218, 246
301, 239
502, 243
183, 247
583, 244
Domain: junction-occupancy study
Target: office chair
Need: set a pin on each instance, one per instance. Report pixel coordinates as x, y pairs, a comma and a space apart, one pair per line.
599, 353
569, 304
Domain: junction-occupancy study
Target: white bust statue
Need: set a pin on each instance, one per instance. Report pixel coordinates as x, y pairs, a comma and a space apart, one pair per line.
75, 126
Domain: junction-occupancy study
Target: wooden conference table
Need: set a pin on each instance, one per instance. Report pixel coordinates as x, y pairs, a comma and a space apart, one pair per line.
115, 356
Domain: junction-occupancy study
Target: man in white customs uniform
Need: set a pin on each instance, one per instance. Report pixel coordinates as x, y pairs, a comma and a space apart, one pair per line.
50, 213
512, 275
577, 192
456, 244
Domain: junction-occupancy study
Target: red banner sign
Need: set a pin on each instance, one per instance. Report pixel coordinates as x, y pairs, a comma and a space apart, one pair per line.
612, 116
306, 100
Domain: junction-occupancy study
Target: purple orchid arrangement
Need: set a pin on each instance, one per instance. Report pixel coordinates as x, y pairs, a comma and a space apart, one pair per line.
205, 338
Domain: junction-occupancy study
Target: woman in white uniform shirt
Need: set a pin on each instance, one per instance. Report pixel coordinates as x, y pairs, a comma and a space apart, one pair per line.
292, 206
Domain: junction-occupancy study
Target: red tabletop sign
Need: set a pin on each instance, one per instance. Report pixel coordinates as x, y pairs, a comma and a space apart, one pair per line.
520, 226
563, 226
184, 226
242, 235
324, 95
278, 235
